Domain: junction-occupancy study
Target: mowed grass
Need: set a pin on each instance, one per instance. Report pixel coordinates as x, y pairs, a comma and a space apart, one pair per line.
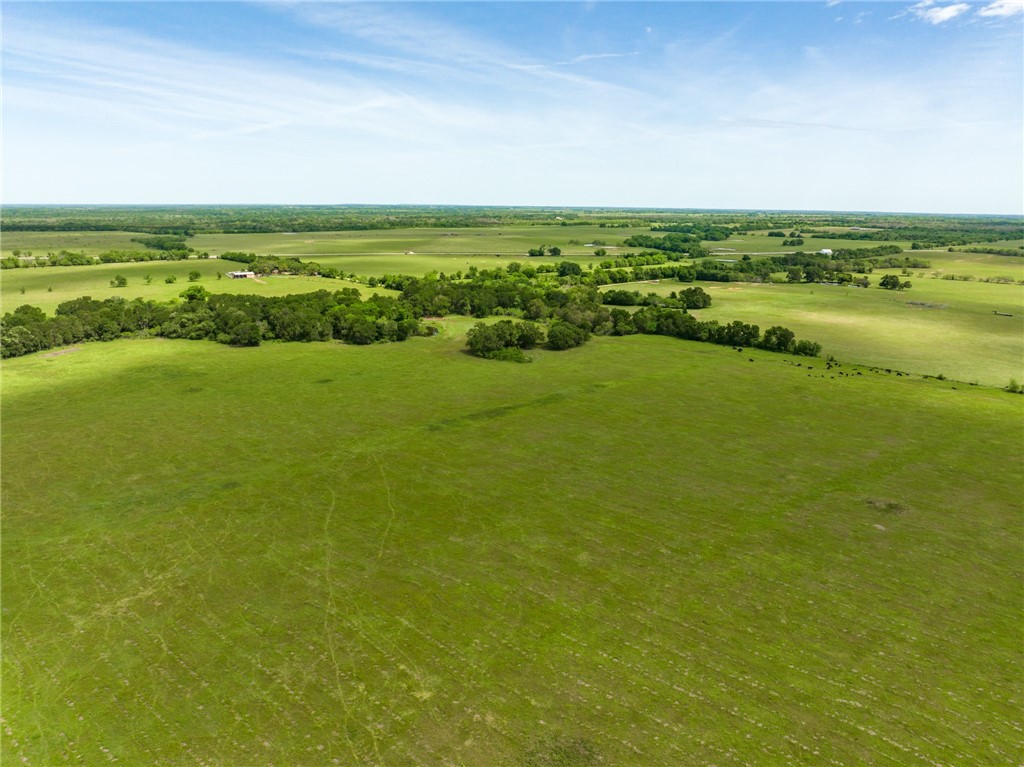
644, 551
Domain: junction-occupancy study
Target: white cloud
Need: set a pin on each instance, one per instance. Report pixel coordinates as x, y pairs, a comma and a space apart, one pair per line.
938, 14
1003, 8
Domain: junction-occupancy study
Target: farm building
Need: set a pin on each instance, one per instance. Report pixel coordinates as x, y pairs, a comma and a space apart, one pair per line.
825, 251
241, 275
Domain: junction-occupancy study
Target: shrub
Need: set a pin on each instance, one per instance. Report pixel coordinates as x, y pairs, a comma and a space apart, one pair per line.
562, 335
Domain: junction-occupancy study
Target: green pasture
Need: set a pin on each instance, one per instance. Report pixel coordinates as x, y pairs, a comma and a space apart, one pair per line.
977, 265
92, 243
936, 327
512, 241
47, 287
643, 551
756, 244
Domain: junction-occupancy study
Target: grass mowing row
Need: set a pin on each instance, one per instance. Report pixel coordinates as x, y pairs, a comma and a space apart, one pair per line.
643, 551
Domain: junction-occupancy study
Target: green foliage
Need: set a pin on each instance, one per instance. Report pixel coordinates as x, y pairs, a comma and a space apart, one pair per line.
195, 293
167, 242
195, 275
569, 269
119, 281
563, 335
170, 279
495, 340
892, 282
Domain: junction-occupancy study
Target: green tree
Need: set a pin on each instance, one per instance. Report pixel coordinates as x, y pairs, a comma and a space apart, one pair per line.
195, 293
119, 281
562, 335
194, 275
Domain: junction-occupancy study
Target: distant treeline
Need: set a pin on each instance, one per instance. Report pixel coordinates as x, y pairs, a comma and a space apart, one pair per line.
1019, 252
940, 233
707, 225
231, 219
71, 258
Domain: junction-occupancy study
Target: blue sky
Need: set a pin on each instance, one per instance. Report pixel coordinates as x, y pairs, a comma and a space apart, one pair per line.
776, 105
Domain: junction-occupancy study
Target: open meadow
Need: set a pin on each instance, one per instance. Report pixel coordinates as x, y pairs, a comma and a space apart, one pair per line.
642, 551
937, 327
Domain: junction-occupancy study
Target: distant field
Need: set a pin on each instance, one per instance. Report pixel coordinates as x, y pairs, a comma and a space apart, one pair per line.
978, 265
956, 334
68, 282
937, 326
762, 244
643, 551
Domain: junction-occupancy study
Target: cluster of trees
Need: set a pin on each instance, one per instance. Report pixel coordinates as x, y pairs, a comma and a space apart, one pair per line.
504, 340
544, 250
892, 282
995, 251
644, 258
674, 242
239, 320
672, 322
163, 242
688, 298
701, 231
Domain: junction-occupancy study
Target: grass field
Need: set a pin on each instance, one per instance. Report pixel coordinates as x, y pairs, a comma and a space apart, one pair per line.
48, 287
410, 251
938, 326
643, 551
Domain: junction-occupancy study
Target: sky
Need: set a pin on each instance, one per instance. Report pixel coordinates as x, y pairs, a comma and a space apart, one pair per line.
895, 106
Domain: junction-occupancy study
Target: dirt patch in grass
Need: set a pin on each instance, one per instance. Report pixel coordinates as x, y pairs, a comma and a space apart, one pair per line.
893, 508
62, 352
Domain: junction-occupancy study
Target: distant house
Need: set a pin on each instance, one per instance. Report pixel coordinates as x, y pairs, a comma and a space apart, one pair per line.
241, 275
825, 251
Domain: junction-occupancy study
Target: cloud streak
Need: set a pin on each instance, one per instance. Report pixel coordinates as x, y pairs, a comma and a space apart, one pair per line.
928, 11
1002, 8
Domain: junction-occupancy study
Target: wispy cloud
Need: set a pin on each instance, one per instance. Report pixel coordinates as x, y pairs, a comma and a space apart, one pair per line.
1003, 8
418, 40
928, 11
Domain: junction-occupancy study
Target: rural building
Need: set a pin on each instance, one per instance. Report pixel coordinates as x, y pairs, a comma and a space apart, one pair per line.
241, 275
825, 251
